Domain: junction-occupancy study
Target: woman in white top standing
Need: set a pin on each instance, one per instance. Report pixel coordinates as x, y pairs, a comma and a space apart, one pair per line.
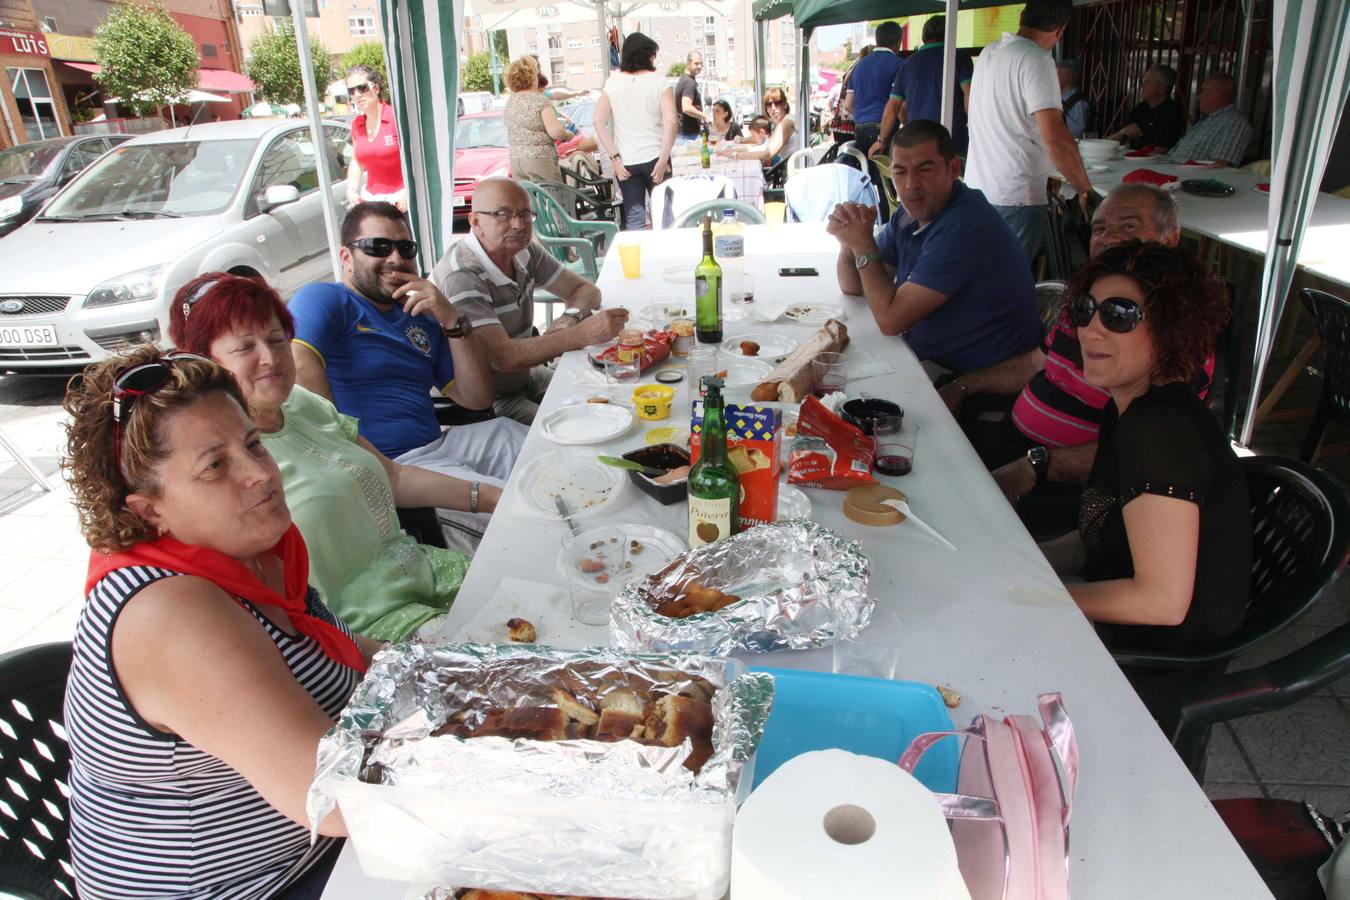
642, 108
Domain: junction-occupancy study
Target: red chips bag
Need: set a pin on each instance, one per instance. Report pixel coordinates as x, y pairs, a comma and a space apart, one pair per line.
828, 452
655, 348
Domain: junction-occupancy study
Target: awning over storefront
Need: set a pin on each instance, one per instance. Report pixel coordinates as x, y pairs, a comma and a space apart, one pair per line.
218, 80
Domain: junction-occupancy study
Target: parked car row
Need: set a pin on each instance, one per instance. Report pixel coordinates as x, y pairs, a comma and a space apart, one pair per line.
101, 263
31, 173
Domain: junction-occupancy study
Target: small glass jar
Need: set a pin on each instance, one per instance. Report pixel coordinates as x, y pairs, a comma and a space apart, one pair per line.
684, 336
629, 347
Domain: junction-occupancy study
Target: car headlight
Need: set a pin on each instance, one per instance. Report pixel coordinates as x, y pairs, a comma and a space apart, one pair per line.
142, 284
11, 206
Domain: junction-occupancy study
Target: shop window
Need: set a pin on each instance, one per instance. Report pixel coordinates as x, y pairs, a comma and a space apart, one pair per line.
33, 96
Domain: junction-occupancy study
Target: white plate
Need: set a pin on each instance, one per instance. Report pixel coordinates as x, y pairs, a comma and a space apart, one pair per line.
813, 313
771, 346
588, 487
658, 548
660, 314
682, 274
586, 423
1097, 168
743, 371
793, 503
1199, 164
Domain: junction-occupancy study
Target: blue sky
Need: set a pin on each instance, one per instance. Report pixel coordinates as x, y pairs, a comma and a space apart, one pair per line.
831, 36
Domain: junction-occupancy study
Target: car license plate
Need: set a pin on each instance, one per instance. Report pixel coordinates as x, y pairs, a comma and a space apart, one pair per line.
461, 201
28, 336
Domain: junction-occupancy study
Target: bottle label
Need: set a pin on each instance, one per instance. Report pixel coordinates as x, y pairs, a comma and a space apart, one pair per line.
707, 298
709, 520
729, 246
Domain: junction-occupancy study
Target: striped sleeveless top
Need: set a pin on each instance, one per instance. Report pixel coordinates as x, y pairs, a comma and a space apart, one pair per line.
153, 816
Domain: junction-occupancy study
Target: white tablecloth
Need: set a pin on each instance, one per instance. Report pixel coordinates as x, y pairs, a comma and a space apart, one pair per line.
991, 620
1240, 220
747, 175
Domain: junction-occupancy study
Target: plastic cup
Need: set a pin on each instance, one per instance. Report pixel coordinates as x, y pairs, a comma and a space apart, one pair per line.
895, 450
775, 212
703, 360
594, 558
630, 255
830, 370
874, 653
623, 371
745, 292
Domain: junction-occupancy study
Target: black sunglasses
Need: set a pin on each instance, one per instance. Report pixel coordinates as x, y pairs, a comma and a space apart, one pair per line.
382, 247
139, 381
1119, 314
359, 88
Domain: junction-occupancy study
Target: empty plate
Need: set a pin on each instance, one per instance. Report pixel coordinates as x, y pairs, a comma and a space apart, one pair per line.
682, 274
584, 484
813, 313
771, 346
586, 423
743, 371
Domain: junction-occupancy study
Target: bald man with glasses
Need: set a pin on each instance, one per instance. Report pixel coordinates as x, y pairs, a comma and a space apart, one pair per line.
491, 276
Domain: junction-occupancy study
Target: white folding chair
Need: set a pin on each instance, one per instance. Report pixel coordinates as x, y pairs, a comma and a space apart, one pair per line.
673, 196
801, 160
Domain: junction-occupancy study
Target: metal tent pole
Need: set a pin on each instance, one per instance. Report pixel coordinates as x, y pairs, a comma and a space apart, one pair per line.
804, 88
317, 137
949, 67
761, 64
604, 40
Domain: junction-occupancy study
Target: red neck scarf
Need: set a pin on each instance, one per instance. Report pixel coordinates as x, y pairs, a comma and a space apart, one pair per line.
237, 580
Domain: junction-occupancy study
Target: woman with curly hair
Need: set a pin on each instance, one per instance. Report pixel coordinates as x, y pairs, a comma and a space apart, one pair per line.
343, 493
205, 669
1164, 532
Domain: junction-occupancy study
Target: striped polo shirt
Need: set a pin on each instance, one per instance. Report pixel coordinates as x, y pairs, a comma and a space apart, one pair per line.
150, 814
473, 282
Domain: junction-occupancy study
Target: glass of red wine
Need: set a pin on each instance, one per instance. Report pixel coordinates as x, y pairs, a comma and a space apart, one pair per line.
830, 373
895, 445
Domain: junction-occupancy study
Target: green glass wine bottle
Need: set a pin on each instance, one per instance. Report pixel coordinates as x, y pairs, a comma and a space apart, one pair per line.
708, 291
714, 486
705, 152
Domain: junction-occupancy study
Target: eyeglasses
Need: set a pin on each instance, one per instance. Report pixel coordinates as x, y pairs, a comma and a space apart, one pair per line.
505, 216
382, 247
360, 88
1119, 314
139, 381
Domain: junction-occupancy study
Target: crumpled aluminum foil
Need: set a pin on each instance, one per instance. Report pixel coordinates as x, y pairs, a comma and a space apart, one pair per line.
565, 817
801, 586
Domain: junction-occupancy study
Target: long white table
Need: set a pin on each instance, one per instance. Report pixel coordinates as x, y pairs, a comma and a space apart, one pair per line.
1240, 220
991, 620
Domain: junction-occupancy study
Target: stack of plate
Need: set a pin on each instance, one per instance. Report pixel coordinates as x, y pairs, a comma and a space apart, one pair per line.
1098, 151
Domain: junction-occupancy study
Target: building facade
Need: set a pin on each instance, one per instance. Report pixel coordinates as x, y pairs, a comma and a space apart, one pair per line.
31, 106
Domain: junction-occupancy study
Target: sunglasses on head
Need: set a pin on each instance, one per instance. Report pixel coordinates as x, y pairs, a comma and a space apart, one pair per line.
360, 88
1119, 314
140, 381
382, 247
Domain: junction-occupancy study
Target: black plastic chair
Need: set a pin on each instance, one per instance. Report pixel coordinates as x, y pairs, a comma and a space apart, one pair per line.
1300, 537
449, 413
1332, 315
34, 769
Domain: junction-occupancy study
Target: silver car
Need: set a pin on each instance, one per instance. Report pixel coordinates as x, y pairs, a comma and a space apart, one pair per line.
100, 264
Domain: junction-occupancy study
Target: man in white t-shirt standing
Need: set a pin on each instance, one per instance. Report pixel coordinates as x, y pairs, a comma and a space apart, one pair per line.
1017, 130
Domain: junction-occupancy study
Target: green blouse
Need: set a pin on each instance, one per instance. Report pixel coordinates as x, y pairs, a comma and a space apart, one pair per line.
379, 580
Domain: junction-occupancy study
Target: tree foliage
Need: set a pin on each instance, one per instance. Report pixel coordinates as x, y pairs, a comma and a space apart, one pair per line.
675, 70
274, 64
145, 58
476, 73
369, 54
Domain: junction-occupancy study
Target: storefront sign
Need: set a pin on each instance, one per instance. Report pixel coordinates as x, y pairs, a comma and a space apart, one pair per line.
23, 43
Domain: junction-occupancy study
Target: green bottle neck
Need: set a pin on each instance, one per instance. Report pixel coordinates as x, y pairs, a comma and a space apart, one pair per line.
714, 446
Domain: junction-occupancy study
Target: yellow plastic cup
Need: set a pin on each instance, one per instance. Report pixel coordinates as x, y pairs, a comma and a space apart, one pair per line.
775, 212
630, 255
652, 401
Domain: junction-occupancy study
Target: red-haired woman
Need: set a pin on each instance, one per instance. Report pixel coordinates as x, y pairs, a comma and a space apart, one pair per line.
342, 492
1164, 537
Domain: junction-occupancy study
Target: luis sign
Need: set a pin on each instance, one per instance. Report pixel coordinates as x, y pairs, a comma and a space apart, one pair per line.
23, 43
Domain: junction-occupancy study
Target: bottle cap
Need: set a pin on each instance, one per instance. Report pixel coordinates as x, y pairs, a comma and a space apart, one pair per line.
713, 383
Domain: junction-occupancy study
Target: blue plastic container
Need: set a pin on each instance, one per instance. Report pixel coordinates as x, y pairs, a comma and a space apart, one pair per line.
868, 716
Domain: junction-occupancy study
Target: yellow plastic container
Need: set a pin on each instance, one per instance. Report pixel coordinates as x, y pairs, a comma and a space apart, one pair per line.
652, 401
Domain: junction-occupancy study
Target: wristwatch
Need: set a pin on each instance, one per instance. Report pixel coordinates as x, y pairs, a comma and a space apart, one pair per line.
1039, 457
862, 259
575, 312
463, 327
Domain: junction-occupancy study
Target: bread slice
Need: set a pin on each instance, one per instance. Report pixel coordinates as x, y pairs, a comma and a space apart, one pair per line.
616, 725
573, 708
539, 723
672, 718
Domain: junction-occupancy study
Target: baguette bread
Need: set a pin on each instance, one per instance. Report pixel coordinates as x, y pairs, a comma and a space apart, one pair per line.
793, 378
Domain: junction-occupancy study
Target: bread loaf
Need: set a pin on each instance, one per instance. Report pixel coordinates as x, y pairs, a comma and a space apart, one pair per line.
793, 378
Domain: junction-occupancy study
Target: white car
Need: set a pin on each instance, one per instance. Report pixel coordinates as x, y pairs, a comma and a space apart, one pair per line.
98, 267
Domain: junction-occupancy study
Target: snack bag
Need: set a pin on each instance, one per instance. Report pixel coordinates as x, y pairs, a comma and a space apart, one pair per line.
754, 447
828, 452
655, 349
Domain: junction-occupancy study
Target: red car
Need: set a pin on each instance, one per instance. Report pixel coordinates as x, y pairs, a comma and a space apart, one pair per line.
481, 152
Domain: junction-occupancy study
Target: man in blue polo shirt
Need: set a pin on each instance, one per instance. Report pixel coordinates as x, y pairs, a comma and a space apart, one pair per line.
377, 343
869, 85
946, 272
916, 92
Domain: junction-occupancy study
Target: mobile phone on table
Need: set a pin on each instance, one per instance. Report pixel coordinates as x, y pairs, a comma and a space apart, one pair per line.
797, 272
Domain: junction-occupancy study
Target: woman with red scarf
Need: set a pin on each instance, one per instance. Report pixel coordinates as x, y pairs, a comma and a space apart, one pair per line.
205, 669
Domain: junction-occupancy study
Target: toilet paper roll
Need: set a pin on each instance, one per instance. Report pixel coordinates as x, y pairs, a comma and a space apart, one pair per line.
833, 824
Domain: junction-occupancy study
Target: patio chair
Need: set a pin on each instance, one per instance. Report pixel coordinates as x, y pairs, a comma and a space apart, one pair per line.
590, 206
800, 160
1332, 315
672, 197
1050, 301
34, 771
775, 176
887, 182
814, 193
559, 232
694, 214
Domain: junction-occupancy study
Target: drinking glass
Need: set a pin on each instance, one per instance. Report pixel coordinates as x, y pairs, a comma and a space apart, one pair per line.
594, 558
775, 212
745, 293
623, 371
704, 360
895, 450
830, 373
875, 652
630, 255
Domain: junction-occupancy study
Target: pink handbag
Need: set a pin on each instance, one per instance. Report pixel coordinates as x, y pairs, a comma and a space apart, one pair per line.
1010, 815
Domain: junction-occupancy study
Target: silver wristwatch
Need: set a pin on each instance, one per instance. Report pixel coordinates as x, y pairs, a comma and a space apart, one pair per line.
575, 313
862, 259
